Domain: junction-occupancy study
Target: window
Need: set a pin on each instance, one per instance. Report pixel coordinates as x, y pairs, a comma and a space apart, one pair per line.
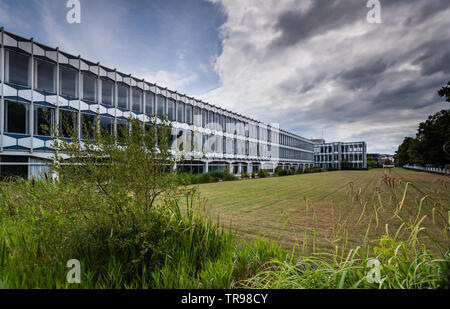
106, 125
122, 96
45, 76
197, 116
68, 82
67, 123
161, 108
137, 100
223, 123
107, 92
204, 118
89, 87
188, 114
16, 117
18, 68
210, 120
217, 121
8, 171
180, 111
87, 125
171, 110
149, 103
224, 144
44, 119
229, 125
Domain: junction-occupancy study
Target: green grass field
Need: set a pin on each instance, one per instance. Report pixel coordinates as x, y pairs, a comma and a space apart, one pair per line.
337, 221
318, 212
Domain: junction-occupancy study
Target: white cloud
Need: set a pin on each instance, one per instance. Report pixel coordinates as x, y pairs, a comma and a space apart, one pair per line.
171, 80
301, 85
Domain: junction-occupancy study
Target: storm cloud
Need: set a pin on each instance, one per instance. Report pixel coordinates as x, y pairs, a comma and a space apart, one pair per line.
319, 66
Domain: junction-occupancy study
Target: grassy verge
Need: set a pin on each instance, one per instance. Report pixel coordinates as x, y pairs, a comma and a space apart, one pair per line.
179, 242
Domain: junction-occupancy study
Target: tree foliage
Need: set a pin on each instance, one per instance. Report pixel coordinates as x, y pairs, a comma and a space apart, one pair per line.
429, 145
445, 92
432, 139
133, 167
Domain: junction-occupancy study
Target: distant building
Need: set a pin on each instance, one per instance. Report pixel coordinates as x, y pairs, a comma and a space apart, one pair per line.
381, 159
318, 141
332, 155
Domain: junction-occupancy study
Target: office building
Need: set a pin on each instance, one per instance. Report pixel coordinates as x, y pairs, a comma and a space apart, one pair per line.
44, 84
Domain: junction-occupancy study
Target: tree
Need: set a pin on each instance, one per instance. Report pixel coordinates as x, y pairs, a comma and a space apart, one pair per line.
387, 162
133, 167
432, 135
346, 165
402, 155
445, 92
371, 163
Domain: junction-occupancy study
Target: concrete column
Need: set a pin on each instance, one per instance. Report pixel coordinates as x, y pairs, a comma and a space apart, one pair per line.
206, 167
230, 167
249, 168
240, 168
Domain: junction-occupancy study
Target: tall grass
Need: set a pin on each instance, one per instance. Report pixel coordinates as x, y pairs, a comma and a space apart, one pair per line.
43, 225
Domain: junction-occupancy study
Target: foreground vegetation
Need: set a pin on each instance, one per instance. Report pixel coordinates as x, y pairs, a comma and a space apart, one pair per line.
43, 225
132, 223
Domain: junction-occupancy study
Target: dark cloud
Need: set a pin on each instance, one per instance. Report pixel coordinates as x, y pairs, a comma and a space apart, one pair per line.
325, 15
364, 76
369, 82
412, 95
433, 57
427, 10
299, 25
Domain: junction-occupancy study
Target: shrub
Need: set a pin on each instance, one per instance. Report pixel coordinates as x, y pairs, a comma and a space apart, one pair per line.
245, 176
314, 170
262, 174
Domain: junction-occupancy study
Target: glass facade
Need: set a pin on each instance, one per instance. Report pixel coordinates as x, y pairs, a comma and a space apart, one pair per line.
68, 82
44, 120
45, 76
89, 87
18, 68
122, 96
161, 106
149, 103
67, 123
106, 125
16, 117
216, 134
137, 100
107, 92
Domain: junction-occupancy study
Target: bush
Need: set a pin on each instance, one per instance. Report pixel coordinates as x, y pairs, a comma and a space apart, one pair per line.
314, 170
262, 174
245, 176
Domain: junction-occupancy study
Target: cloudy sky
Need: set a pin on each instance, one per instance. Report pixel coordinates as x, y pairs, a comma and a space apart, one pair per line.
316, 67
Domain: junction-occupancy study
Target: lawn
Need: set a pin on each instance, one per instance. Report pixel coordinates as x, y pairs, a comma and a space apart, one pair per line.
317, 212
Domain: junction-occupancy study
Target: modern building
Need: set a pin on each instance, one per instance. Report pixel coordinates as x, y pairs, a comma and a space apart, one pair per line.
40, 83
332, 155
381, 159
